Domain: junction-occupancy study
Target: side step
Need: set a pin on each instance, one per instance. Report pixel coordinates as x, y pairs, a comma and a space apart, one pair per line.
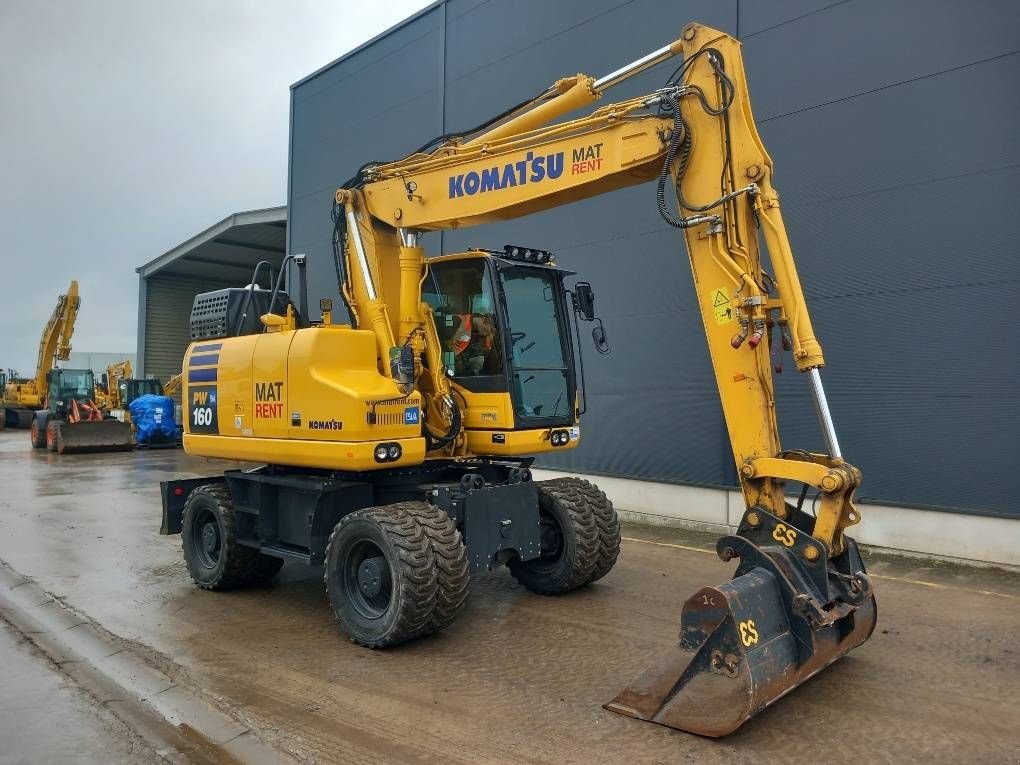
286, 553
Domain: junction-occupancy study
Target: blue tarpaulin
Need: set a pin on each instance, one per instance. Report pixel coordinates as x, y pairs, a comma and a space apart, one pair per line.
153, 418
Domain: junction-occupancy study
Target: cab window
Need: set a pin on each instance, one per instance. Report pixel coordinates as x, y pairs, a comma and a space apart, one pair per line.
460, 294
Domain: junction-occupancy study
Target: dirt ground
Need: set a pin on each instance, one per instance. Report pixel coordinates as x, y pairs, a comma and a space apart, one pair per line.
519, 677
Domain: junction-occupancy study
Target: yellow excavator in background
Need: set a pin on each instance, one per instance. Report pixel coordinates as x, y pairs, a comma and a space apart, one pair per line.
108, 395
171, 386
22, 396
396, 450
119, 388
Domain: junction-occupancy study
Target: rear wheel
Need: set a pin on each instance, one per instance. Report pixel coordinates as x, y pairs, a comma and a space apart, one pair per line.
570, 542
381, 576
215, 559
38, 433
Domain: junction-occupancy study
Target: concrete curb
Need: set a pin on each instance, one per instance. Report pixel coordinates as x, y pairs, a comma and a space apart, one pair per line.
178, 722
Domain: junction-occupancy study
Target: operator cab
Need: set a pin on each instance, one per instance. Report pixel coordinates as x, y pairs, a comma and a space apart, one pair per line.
136, 387
503, 320
66, 385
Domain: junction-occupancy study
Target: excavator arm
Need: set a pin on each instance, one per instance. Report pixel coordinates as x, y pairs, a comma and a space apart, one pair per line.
800, 598
55, 343
173, 385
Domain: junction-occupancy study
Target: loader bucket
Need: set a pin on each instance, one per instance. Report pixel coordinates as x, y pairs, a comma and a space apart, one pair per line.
752, 640
97, 436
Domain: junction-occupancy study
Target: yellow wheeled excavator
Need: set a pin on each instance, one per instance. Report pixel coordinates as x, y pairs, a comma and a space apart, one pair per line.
395, 451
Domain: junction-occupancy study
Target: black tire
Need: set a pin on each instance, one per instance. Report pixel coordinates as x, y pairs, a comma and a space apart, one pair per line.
454, 575
605, 519
570, 542
216, 561
37, 433
266, 567
381, 576
52, 435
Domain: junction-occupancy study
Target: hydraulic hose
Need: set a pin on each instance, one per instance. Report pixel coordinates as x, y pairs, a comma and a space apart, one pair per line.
432, 442
680, 142
679, 138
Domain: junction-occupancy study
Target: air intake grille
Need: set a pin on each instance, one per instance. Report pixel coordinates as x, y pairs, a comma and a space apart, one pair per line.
209, 315
233, 311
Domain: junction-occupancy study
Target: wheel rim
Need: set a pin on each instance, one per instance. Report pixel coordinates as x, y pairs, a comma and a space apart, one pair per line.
207, 539
366, 580
552, 541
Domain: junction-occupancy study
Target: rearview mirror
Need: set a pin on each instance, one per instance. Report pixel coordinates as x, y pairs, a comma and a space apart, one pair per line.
584, 301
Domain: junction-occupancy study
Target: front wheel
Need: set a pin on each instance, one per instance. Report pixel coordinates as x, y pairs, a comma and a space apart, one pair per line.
571, 548
38, 433
52, 435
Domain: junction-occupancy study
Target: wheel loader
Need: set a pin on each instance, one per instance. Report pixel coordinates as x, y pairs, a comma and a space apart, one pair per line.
72, 422
395, 449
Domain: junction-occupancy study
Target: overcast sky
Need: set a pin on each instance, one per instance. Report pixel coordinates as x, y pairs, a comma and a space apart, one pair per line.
127, 126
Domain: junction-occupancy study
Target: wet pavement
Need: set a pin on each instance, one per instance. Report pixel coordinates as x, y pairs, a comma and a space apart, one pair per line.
519, 677
44, 718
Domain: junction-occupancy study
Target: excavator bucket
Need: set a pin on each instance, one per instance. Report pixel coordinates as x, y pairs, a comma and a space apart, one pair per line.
784, 617
94, 436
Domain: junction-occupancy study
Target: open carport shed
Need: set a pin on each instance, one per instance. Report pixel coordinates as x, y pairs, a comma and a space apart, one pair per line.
224, 255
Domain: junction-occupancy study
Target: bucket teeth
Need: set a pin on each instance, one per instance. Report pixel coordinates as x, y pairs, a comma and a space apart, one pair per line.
742, 646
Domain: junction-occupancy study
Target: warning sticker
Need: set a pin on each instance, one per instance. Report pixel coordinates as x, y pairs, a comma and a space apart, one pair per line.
721, 305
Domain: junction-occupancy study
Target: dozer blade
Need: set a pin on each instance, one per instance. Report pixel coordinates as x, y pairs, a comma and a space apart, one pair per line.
100, 436
747, 643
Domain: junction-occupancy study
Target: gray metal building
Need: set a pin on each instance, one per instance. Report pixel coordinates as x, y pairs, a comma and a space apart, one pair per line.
893, 130
224, 255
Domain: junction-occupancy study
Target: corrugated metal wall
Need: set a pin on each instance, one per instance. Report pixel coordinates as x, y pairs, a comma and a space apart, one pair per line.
167, 316
893, 129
